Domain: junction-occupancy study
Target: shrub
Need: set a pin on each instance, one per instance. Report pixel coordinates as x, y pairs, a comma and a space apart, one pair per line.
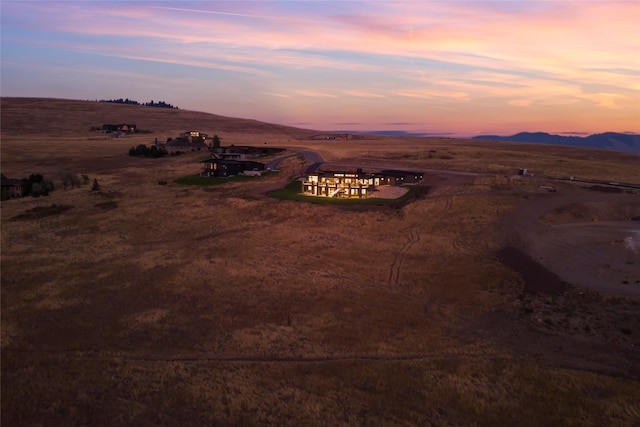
36, 185
71, 180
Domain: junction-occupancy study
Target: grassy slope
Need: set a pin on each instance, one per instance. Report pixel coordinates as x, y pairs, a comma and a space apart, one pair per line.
182, 305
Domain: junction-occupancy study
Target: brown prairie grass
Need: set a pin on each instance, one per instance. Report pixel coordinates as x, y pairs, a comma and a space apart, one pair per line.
180, 305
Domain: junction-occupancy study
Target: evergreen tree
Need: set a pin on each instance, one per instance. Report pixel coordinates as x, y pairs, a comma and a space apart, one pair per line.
216, 141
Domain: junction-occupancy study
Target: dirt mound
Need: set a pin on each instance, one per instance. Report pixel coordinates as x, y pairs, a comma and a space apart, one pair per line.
588, 211
537, 278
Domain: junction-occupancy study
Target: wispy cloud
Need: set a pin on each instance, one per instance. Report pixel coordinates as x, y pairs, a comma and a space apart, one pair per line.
279, 95
362, 94
315, 94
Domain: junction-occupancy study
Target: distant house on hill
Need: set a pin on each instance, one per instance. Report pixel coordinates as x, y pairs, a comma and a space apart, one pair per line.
11, 188
192, 135
180, 145
334, 136
123, 127
219, 167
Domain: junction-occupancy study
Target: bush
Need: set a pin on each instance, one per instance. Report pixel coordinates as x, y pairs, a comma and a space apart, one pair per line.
71, 180
36, 185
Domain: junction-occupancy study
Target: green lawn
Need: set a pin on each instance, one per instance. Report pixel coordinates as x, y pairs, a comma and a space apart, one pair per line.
205, 181
292, 192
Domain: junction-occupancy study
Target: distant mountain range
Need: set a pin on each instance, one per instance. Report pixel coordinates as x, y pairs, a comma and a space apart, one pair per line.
629, 143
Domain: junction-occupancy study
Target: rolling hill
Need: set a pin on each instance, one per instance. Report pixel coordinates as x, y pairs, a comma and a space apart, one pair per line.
62, 117
628, 143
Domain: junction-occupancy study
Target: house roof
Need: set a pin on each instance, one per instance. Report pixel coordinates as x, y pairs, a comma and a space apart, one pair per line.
10, 182
182, 143
343, 173
393, 172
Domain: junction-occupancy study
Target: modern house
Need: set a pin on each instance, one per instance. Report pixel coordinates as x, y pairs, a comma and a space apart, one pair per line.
398, 177
350, 185
219, 167
354, 185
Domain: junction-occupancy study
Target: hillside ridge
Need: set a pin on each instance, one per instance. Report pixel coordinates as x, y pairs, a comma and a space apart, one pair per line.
629, 143
64, 117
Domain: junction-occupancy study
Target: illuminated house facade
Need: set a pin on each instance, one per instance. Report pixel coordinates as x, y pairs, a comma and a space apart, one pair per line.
350, 185
355, 185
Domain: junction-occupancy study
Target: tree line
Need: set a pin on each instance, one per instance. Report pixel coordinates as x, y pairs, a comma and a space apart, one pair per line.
37, 185
159, 104
143, 151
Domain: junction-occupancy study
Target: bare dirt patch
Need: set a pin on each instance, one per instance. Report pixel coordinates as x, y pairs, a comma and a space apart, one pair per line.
536, 277
389, 192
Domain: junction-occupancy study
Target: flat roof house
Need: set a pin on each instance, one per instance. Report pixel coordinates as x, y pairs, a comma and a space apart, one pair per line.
354, 185
218, 167
398, 177
351, 185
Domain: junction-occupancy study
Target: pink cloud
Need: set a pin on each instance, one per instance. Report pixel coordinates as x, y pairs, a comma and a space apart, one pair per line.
446, 56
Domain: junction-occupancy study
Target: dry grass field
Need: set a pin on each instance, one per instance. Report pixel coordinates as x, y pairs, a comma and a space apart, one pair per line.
143, 304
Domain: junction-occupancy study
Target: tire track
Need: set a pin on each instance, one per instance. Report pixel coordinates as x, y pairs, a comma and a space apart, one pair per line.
393, 281
395, 269
334, 358
343, 272
182, 358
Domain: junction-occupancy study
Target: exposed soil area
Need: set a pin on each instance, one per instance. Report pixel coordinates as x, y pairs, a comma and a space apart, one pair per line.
389, 192
587, 238
536, 277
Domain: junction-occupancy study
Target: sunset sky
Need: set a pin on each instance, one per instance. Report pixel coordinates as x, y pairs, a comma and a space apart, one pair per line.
448, 67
